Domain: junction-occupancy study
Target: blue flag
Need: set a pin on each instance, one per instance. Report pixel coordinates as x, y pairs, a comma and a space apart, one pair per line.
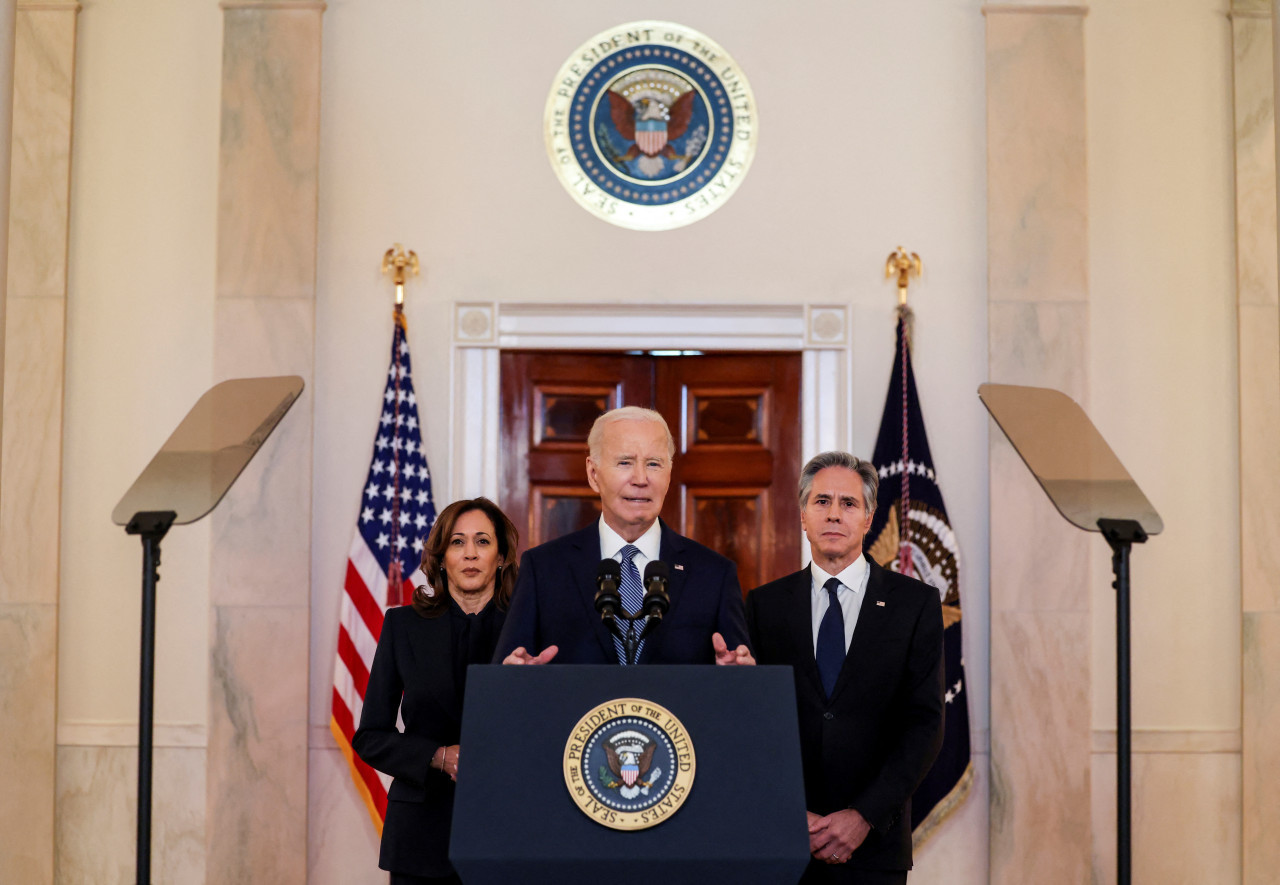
910, 533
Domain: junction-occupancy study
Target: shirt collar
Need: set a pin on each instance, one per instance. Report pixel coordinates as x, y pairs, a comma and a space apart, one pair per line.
649, 544
852, 576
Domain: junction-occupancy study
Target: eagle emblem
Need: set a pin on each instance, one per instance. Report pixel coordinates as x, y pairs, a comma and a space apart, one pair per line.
630, 756
651, 109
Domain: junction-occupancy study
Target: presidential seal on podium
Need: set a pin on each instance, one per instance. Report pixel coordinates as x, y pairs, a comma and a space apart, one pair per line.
650, 125
629, 764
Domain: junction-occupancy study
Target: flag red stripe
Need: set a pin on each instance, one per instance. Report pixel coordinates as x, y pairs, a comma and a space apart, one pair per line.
351, 657
343, 716
363, 601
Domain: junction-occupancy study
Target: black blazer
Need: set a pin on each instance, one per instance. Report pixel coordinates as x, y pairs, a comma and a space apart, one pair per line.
414, 660
554, 603
871, 744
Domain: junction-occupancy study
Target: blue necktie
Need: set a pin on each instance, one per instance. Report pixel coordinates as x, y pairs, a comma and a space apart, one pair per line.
830, 650
632, 601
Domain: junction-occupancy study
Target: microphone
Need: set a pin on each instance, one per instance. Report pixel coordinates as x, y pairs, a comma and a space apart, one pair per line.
656, 600
608, 599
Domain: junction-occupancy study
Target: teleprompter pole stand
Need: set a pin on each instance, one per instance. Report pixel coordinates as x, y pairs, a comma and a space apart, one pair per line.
1122, 534
151, 526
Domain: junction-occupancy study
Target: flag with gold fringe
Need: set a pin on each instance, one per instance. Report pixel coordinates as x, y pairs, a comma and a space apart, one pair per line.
396, 514
910, 533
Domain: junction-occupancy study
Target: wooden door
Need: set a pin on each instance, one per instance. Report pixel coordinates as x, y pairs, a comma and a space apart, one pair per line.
735, 419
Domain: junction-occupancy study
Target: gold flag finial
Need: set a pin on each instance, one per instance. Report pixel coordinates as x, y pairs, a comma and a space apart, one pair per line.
904, 264
395, 262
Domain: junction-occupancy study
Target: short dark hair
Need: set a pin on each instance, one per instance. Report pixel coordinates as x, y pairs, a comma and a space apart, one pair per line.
431, 600
864, 469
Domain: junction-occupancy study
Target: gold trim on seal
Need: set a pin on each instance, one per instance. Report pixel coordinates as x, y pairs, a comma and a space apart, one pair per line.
590, 725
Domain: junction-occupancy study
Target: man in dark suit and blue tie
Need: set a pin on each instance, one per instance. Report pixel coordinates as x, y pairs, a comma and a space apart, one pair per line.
865, 644
553, 612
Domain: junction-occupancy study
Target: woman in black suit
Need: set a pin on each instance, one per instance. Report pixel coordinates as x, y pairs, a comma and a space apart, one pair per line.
420, 670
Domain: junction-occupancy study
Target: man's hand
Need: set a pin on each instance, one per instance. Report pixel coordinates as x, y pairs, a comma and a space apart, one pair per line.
834, 837
740, 656
521, 656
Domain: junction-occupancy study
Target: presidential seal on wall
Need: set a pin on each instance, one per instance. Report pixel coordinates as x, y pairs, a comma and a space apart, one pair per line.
650, 125
629, 764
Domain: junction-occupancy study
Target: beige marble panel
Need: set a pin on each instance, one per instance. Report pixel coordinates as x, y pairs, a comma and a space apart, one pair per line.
1184, 823
1041, 345
1040, 758
1260, 642
256, 827
28, 661
97, 814
342, 843
39, 187
1255, 144
1037, 201
97, 808
1039, 561
1259, 443
262, 529
956, 854
269, 158
31, 453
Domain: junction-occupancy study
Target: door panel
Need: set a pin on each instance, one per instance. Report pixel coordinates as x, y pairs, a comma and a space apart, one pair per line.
735, 418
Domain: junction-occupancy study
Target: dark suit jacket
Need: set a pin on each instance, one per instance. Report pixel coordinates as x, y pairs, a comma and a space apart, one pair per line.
554, 603
414, 660
871, 744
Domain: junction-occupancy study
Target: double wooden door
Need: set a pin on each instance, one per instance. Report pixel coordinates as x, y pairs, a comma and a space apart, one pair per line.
736, 422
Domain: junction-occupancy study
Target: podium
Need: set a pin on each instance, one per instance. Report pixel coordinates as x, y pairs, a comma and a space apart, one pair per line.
530, 732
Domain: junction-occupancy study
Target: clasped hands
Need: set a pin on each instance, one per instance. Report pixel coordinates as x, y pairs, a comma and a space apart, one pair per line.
725, 656
833, 837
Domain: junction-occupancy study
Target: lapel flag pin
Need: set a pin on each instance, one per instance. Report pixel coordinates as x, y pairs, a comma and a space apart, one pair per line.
679, 567
880, 602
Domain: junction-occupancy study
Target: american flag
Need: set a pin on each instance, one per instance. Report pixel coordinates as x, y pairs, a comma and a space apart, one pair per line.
396, 513
910, 533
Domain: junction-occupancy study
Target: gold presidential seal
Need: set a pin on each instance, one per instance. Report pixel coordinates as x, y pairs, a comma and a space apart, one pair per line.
650, 125
629, 764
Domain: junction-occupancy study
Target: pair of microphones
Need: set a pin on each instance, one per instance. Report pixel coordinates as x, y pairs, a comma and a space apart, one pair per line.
609, 596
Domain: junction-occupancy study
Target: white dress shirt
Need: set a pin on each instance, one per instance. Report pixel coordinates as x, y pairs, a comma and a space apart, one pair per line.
853, 588
649, 544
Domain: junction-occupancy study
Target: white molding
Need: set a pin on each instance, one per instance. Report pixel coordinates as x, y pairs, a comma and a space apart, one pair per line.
124, 733
820, 332
1170, 740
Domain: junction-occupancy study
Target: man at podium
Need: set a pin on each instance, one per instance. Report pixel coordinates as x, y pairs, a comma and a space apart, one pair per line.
553, 612
865, 645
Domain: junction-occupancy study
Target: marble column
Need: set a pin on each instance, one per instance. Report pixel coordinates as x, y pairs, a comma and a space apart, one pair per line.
36, 199
1038, 315
1259, 367
256, 812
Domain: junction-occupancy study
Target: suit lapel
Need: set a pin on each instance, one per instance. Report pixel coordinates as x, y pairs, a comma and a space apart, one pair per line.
871, 617
586, 559
799, 627
670, 551
432, 644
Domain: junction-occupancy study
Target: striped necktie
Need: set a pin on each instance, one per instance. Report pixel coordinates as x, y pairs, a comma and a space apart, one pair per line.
632, 601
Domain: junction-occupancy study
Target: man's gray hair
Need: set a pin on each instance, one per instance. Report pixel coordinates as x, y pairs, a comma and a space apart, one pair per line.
864, 469
626, 413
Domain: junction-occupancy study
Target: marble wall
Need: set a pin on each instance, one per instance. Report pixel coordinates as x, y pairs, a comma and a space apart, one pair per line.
264, 325
42, 37
1038, 314
1259, 373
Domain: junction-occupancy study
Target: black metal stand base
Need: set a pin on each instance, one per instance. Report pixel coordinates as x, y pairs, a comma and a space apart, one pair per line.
151, 526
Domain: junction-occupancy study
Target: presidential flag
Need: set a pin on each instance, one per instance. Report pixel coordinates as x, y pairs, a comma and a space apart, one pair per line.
396, 513
910, 533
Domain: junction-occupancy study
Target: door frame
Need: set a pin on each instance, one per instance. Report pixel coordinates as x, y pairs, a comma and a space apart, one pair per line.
481, 329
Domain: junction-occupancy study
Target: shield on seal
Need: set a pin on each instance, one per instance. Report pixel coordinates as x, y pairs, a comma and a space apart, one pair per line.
651, 136
630, 771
